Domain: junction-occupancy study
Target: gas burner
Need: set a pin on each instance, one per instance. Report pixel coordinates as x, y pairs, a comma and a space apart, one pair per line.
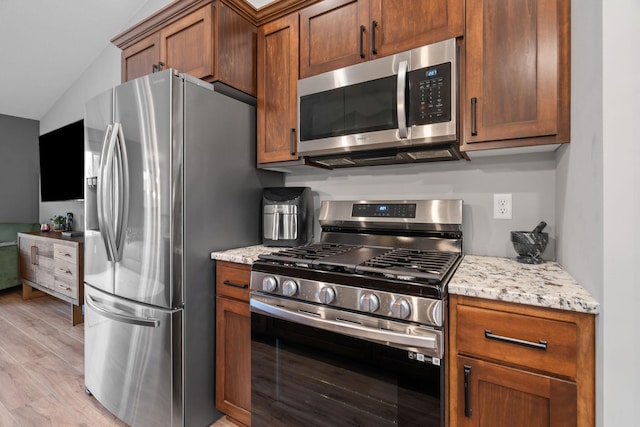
304, 256
411, 264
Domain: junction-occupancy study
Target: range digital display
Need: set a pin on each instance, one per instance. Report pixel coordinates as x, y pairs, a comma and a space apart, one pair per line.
384, 210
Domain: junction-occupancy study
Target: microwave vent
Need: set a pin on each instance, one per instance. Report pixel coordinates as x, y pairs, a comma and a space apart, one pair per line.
428, 155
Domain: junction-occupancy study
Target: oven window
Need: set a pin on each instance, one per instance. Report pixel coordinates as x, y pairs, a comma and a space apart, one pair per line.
364, 107
303, 376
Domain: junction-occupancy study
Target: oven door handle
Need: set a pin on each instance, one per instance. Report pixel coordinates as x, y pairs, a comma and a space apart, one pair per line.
428, 342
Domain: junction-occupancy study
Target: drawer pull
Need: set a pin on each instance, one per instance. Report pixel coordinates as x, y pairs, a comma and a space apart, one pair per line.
541, 344
236, 285
65, 271
467, 391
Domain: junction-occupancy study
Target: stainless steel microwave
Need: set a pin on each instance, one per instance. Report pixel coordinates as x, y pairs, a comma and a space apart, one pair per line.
396, 109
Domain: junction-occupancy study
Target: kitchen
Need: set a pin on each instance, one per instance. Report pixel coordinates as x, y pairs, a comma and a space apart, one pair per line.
568, 188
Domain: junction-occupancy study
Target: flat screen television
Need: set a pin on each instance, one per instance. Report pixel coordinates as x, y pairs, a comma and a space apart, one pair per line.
62, 163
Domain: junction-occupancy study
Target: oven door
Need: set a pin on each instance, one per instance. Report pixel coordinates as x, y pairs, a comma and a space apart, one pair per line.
316, 366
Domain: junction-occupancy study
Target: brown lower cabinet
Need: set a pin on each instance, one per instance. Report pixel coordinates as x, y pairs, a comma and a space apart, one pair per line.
233, 341
513, 364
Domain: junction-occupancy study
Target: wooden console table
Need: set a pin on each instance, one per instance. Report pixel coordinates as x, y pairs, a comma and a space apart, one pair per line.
53, 264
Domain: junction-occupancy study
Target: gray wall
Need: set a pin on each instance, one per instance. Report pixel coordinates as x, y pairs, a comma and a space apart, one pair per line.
19, 169
530, 178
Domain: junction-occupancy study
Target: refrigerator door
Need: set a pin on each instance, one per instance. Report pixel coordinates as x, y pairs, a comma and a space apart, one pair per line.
133, 362
149, 119
98, 129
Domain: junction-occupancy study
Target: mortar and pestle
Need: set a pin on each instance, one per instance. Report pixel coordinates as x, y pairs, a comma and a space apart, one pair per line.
530, 244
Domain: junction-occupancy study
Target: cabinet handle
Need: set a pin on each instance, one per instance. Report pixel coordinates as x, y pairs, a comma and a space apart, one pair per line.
362, 30
157, 67
292, 141
236, 285
374, 49
65, 271
467, 391
541, 344
474, 129
34, 254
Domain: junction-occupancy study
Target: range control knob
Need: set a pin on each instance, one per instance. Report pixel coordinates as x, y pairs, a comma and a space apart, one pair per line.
269, 284
289, 287
400, 308
369, 302
326, 295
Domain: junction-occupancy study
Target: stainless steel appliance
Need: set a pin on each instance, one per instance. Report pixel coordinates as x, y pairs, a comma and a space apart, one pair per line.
351, 330
396, 109
170, 177
287, 216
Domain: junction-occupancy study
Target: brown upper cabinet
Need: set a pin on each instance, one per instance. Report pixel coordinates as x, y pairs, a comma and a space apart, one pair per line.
515, 81
211, 42
338, 33
277, 90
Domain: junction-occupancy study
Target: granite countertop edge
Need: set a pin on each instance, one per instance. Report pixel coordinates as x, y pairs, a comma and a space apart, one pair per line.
504, 279
494, 278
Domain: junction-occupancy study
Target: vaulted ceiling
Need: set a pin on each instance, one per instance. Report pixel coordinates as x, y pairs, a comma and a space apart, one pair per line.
46, 45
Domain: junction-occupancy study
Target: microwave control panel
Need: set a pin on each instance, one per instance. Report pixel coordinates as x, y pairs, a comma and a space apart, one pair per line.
430, 90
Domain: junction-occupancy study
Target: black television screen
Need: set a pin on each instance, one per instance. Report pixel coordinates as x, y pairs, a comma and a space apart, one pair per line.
62, 163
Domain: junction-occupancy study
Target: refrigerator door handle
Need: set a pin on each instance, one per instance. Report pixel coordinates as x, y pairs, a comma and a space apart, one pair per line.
104, 186
123, 318
122, 192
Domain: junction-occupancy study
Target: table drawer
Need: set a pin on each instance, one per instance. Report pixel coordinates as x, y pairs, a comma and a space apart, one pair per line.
538, 343
232, 280
65, 253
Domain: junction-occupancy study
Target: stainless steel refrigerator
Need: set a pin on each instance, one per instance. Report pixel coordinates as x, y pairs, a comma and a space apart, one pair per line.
170, 177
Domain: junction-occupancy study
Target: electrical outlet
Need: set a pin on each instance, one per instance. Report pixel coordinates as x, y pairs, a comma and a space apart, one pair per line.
502, 206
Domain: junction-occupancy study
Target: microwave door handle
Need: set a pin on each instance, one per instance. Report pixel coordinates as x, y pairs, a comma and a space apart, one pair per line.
401, 100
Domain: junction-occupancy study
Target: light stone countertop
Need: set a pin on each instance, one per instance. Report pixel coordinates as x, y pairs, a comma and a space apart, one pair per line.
245, 255
504, 279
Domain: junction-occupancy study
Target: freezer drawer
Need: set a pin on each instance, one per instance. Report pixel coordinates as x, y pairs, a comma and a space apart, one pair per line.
133, 363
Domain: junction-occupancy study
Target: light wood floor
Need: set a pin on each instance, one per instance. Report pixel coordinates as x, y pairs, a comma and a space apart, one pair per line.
42, 367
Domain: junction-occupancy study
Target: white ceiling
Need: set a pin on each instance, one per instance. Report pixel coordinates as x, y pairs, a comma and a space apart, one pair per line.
45, 45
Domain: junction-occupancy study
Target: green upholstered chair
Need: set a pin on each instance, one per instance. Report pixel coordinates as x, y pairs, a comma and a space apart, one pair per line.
9, 251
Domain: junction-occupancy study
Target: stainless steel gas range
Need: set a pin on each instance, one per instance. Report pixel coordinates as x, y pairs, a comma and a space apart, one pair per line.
350, 331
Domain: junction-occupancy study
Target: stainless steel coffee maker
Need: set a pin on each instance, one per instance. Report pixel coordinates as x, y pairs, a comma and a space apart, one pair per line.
287, 216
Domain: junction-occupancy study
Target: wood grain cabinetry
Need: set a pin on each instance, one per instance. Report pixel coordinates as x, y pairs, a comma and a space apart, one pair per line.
515, 362
337, 33
277, 90
233, 341
52, 264
515, 82
213, 43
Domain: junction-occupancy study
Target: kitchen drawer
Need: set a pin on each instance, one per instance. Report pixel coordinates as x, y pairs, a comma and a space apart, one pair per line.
232, 280
537, 343
65, 253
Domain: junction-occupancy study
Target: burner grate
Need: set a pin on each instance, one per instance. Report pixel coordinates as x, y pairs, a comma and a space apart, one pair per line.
410, 264
305, 255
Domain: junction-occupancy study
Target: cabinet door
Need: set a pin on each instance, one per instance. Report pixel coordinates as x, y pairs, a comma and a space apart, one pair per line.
333, 34
277, 90
138, 60
517, 72
233, 359
399, 25
187, 44
495, 395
